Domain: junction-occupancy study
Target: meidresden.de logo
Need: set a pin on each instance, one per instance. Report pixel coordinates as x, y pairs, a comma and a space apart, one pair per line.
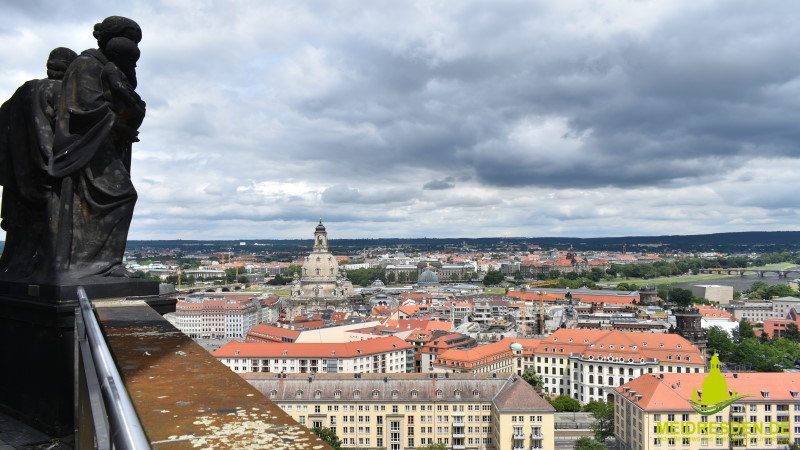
714, 397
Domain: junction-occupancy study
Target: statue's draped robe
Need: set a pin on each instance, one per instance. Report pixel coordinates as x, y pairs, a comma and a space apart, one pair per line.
26, 140
95, 193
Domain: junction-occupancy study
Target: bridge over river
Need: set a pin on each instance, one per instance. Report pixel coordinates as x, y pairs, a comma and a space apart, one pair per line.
782, 273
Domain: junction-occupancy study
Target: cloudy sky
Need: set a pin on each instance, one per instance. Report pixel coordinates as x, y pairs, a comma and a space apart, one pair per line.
449, 118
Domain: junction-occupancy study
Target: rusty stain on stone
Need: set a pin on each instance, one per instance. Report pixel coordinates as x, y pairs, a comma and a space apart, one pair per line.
209, 406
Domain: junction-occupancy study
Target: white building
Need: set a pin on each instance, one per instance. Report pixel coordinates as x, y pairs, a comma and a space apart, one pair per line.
215, 316
381, 355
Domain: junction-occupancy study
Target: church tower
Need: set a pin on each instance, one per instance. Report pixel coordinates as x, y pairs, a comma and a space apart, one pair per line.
320, 239
688, 325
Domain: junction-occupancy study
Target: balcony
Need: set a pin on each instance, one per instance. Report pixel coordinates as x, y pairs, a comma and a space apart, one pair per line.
537, 436
459, 447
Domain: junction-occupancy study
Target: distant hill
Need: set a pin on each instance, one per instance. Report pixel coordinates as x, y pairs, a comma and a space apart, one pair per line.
747, 241
759, 241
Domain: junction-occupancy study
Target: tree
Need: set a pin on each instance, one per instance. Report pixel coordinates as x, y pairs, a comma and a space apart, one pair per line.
746, 330
586, 443
278, 281
603, 425
493, 277
243, 279
230, 274
791, 333
390, 277
327, 435
293, 269
565, 403
720, 342
533, 378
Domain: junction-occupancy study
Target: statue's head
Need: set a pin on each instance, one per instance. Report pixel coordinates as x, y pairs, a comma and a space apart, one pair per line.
116, 26
124, 53
58, 61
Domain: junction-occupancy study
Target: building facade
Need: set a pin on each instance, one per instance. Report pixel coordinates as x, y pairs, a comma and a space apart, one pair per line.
215, 316
584, 364
380, 355
460, 411
653, 412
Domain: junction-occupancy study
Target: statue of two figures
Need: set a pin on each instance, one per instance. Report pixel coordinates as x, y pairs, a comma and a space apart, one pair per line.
65, 160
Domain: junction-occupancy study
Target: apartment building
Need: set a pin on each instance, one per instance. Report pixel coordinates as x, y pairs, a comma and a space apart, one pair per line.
404, 411
653, 412
588, 364
380, 355
215, 316
584, 364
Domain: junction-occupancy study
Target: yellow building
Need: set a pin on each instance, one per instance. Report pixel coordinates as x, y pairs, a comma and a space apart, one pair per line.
403, 411
668, 411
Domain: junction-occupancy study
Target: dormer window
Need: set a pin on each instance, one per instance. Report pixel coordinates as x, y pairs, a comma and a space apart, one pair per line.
679, 345
317, 394
298, 394
438, 393
477, 393
457, 394
337, 394
395, 394
765, 394
375, 394
356, 394
413, 394
273, 393
661, 345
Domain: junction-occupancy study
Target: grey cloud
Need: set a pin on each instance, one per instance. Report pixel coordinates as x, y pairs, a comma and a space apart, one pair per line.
437, 185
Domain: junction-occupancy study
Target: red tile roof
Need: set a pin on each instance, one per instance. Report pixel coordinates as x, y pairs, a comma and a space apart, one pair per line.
311, 350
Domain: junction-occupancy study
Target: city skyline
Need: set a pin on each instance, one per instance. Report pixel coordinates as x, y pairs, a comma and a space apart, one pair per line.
446, 119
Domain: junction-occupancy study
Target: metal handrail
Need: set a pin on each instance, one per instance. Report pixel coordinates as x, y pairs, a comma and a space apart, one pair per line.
124, 426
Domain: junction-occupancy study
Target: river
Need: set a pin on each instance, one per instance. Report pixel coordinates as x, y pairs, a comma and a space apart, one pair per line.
741, 283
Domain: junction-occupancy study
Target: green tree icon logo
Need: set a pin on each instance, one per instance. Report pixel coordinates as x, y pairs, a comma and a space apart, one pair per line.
714, 397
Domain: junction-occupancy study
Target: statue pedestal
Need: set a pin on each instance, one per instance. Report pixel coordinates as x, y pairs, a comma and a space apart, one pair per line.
37, 332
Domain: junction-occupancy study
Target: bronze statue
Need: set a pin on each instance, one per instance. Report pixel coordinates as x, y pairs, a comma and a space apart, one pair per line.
27, 121
98, 115
73, 197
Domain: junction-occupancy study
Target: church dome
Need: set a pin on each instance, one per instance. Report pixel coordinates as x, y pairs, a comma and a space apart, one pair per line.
378, 284
516, 346
320, 227
428, 277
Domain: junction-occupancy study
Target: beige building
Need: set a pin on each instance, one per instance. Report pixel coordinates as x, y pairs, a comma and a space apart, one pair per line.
653, 412
404, 411
716, 293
